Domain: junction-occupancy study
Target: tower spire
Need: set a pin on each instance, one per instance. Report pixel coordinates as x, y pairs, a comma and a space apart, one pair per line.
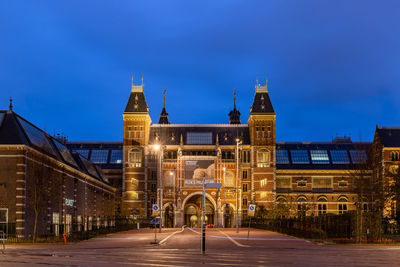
164, 115
11, 105
234, 115
142, 78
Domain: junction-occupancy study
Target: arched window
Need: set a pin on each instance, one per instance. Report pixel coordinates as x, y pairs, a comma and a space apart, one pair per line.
301, 206
342, 204
135, 158
245, 202
392, 155
263, 158
281, 199
322, 207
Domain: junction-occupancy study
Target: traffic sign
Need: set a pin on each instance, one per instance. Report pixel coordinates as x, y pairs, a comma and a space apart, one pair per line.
156, 210
252, 209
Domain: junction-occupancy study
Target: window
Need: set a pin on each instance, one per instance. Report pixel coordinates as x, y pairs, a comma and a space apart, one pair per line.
339, 157
153, 188
244, 202
342, 183
358, 156
301, 206
301, 183
3, 220
199, 138
321, 209
263, 182
342, 205
319, 157
84, 152
116, 156
79, 223
56, 223
154, 175
90, 223
244, 174
153, 200
299, 156
68, 224
395, 156
244, 188
260, 132
263, 195
263, 159
282, 156
135, 158
99, 156
245, 156
135, 182
137, 132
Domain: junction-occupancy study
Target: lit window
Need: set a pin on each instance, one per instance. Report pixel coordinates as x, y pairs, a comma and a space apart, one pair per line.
263, 159
135, 158
301, 183
342, 183
282, 156
116, 156
319, 157
263, 195
99, 156
299, 157
339, 157
263, 182
135, 182
358, 156
199, 138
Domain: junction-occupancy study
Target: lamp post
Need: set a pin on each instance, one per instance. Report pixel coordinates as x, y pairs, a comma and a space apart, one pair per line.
158, 148
237, 184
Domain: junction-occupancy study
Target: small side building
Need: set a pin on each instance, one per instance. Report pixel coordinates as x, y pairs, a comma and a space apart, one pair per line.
45, 186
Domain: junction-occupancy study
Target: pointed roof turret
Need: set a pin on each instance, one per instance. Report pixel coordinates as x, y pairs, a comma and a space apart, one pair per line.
234, 115
137, 100
261, 103
164, 115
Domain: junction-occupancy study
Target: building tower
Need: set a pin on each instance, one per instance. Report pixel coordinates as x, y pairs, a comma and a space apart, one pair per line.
262, 138
164, 115
136, 131
234, 115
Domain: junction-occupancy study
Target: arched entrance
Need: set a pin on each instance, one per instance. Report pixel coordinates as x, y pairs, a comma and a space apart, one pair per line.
228, 216
192, 211
169, 216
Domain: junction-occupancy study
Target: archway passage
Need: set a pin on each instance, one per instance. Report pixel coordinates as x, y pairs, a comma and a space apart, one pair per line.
169, 216
192, 211
228, 216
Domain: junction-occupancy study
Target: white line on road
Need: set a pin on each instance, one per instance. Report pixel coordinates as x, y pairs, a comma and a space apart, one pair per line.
174, 233
234, 241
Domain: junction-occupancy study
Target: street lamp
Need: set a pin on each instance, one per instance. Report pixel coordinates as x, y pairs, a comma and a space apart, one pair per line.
237, 184
158, 148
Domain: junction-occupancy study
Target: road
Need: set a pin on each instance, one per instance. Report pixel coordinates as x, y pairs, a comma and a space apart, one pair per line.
224, 247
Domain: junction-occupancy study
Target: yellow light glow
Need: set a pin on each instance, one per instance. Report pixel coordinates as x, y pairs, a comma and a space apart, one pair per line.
156, 147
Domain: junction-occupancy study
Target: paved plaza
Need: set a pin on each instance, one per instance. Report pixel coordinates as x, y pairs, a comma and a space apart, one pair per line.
181, 247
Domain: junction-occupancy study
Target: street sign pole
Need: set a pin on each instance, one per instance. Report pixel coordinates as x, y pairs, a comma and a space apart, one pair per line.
203, 230
252, 210
248, 231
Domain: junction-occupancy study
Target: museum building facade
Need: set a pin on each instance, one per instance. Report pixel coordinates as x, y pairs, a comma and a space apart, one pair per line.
166, 164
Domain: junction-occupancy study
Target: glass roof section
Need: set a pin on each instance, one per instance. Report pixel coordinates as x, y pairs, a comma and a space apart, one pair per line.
358, 156
339, 157
37, 137
65, 153
84, 152
319, 156
282, 156
299, 156
90, 167
199, 138
116, 156
99, 156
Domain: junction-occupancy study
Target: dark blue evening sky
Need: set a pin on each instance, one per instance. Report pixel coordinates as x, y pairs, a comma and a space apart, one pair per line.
333, 66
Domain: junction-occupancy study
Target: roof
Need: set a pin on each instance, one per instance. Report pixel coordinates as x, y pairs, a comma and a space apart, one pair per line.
15, 130
321, 156
389, 136
262, 103
137, 101
170, 134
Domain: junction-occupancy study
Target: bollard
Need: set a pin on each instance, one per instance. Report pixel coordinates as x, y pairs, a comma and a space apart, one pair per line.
65, 239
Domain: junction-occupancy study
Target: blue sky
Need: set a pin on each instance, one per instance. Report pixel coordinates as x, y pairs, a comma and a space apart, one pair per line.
333, 66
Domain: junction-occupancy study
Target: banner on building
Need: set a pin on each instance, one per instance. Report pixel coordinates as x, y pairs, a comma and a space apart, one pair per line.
197, 170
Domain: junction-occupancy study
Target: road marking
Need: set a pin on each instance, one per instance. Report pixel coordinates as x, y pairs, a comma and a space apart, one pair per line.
174, 233
234, 241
